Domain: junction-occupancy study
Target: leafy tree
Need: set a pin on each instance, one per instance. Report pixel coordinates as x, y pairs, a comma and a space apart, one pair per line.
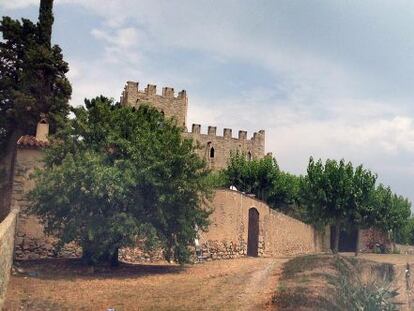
326, 192
392, 211
113, 174
263, 178
405, 234
256, 176
337, 194
286, 190
361, 210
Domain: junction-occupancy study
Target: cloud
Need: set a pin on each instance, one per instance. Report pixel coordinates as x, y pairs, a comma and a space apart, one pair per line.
327, 79
17, 4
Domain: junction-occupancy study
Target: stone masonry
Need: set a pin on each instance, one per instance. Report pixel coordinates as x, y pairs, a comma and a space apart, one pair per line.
214, 149
172, 106
31, 242
228, 234
7, 227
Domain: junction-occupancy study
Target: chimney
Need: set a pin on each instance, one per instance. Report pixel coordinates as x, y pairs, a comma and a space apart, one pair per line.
42, 130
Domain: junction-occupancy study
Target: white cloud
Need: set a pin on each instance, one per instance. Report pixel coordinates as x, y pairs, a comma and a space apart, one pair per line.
17, 4
343, 95
121, 44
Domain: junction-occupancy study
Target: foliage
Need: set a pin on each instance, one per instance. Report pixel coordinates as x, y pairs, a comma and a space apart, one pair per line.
361, 210
393, 213
263, 178
216, 179
405, 234
32, 74
113, 174
336, 194
326, 191
256, 176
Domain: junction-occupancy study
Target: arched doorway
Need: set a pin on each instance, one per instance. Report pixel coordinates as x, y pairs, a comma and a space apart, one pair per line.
253, 233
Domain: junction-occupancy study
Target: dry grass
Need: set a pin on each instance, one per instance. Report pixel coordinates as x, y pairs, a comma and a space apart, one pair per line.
313, 282
67, 285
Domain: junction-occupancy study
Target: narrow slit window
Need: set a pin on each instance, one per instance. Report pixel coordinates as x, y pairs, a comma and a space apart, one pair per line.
212, 152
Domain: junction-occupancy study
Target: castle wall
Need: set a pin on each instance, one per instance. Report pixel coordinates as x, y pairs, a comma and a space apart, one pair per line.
31, 241
7, 229
368, 238
222, 146
172, 106
227, 236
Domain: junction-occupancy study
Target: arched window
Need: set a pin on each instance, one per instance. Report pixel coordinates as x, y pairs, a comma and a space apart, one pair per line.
212, 152
249, 156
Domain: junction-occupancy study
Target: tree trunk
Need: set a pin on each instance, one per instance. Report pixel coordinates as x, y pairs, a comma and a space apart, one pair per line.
357, 243
87, 256
114, 258
336, 241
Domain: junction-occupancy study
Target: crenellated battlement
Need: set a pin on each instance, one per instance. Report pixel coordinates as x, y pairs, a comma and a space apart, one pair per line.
131, 89
216, 149
172, 105
227, 133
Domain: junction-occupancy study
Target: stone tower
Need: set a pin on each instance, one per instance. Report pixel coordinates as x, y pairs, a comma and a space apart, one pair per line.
170, 105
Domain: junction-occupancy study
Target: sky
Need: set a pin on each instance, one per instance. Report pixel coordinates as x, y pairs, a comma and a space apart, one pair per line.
323, 78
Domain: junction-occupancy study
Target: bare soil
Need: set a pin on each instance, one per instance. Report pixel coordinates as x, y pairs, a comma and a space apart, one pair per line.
240, 284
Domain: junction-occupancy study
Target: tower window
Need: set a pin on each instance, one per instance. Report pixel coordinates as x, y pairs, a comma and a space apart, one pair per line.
212, 152
249, 156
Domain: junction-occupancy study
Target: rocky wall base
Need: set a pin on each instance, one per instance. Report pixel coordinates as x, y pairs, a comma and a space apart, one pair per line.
30, 248
7, 231
214, 250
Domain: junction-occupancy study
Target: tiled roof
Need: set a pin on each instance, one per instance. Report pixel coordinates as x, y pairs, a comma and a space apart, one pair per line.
31, 142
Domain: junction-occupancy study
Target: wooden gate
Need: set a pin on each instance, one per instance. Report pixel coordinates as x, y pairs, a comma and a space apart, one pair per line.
253, 233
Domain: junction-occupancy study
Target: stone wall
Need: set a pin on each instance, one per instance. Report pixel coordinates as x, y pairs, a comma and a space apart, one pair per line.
7, 230
172, 106
368, 238
227, 236
404, 249
216, 150
31, 241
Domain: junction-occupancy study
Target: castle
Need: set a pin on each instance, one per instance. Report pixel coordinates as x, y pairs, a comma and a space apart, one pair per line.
214, 149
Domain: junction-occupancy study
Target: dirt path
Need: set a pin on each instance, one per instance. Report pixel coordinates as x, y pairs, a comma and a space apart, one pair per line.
241, 284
